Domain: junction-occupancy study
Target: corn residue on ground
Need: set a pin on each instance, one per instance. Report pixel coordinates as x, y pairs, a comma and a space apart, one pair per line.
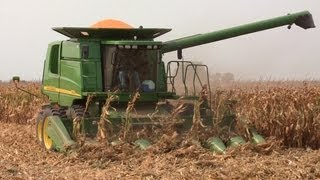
287, 113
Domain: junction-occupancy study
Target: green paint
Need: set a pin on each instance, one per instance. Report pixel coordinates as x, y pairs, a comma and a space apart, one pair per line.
59, 134
143, 144
89, 64
216, 145
77, 64
256, 137
302, 19
236, 141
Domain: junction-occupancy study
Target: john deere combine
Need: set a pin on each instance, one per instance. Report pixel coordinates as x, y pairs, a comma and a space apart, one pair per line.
118, 74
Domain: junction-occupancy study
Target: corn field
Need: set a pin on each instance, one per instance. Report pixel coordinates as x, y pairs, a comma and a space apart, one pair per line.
289, 111
20, 107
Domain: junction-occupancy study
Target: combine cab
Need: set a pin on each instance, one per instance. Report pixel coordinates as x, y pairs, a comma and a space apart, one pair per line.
115, 77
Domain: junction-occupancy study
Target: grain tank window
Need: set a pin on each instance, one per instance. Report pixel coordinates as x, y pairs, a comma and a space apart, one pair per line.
54, 57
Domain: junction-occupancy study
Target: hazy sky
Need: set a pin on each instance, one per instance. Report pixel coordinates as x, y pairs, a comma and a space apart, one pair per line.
277, 53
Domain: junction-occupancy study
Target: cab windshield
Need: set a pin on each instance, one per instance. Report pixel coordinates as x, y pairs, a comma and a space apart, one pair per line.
129, 70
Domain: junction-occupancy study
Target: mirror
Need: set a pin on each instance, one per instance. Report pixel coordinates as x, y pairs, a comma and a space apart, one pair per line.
16, 79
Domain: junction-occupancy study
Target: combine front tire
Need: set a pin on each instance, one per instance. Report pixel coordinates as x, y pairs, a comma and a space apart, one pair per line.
41, 127
47, 141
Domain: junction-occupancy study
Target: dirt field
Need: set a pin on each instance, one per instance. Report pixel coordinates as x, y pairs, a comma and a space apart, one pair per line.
22, 158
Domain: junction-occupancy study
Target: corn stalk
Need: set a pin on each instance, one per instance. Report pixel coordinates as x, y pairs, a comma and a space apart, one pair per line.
104, 118
128, 118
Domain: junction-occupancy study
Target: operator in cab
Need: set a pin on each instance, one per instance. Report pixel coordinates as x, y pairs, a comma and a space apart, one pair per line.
130, 69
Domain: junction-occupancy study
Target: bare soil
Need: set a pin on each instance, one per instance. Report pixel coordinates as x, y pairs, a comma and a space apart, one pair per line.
21, 157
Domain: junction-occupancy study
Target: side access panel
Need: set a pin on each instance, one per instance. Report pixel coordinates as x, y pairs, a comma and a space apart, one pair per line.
80, 70
70, 82
91, 66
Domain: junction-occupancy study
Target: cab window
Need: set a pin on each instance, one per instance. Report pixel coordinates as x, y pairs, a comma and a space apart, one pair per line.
54, 57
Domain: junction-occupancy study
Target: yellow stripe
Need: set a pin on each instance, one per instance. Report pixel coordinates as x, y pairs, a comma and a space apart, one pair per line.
59, 90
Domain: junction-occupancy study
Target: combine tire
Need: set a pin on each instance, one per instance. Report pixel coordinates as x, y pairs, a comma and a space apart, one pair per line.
41, 124
47, 142
78, 111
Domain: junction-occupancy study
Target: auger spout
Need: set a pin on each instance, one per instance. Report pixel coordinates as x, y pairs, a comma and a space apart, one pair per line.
302, 19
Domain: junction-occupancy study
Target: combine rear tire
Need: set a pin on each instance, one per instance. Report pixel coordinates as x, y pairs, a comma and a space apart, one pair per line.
39, 125
77, 112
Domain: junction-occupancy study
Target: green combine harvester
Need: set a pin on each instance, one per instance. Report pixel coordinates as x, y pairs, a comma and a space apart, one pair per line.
118, 74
